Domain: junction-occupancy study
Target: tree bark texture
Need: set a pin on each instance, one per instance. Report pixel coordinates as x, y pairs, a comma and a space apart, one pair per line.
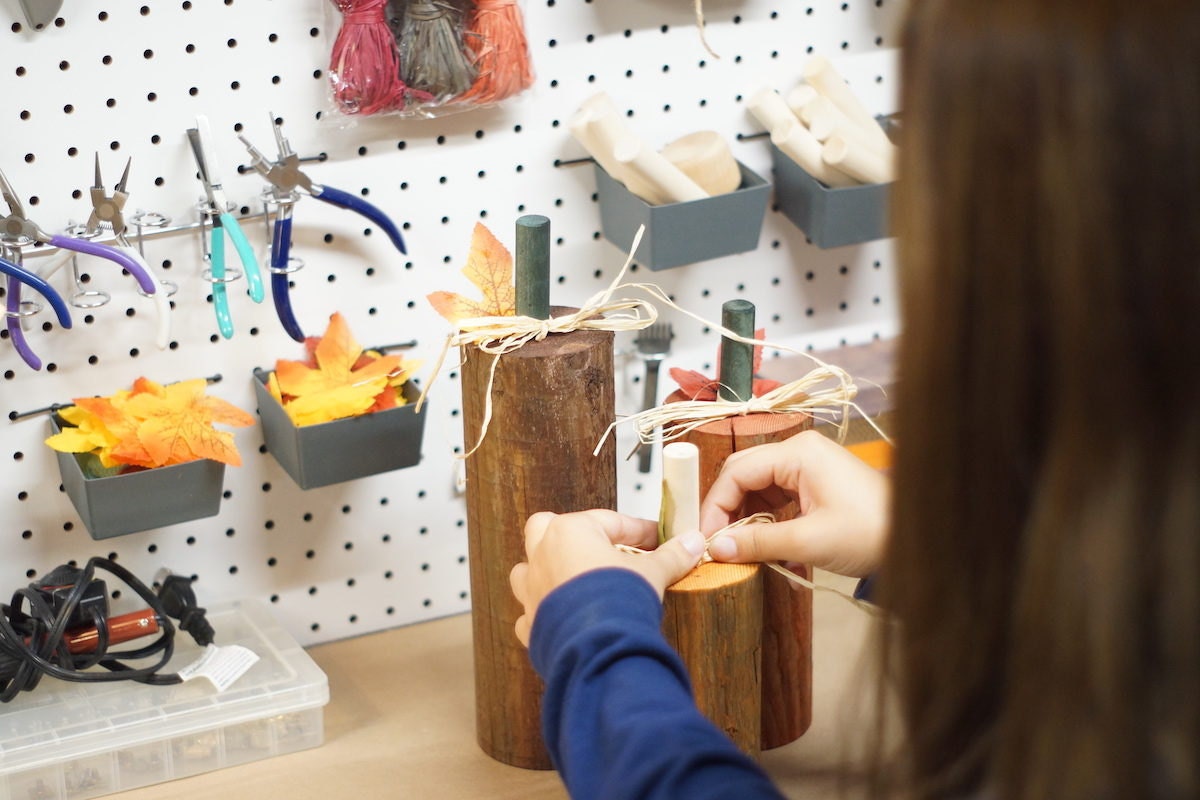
551, 402
787, 610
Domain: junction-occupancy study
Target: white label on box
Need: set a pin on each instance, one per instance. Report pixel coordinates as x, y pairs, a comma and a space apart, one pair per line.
221, 665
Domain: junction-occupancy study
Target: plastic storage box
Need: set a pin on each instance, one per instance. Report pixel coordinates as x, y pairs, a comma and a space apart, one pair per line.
344, 449
142, 500
684, 233
71, 741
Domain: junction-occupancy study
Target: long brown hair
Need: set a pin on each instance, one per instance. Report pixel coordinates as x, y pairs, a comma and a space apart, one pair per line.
1044, 567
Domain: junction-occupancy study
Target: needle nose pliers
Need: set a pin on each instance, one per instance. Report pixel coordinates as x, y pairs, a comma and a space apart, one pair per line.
17, 230
285, 177
223, 222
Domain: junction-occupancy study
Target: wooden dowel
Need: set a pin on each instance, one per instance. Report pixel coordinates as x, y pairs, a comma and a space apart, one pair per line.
605, 130
586, 134
798, 99
667, 179
770, 109
737, 358
704, 157
855, 160
826, 120
821, 75
679, 510
797, 143
532, 266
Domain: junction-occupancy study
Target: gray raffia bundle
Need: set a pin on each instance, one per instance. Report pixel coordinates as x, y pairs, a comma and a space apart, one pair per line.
434, 58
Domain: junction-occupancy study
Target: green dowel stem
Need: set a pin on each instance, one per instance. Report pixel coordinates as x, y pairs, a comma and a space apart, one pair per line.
533, 266
737, 359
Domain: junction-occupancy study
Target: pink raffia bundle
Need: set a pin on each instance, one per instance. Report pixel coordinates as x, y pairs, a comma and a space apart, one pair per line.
495, 33
364, 68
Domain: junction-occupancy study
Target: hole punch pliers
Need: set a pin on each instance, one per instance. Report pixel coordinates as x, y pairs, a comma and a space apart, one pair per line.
18, 275
107, 211
17, 230
223, 222
286, 178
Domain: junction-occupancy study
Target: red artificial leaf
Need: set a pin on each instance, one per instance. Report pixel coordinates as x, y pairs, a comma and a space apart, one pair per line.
698, 387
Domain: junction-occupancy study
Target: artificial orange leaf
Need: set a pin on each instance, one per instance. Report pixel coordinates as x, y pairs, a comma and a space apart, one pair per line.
340, 384
490, 268
152, 426
176, 425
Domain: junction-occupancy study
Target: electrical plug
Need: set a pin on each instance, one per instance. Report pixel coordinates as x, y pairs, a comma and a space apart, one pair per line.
179, 601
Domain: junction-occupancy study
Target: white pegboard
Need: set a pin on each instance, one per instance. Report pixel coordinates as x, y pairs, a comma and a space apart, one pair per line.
127, 79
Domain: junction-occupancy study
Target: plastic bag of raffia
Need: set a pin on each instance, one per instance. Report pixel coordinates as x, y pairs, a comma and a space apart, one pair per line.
426, 58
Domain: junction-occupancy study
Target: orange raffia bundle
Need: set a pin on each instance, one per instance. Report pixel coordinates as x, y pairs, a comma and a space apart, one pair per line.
364, 68
495, 33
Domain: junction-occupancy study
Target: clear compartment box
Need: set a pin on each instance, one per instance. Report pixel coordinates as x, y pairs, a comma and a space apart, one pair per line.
71, 741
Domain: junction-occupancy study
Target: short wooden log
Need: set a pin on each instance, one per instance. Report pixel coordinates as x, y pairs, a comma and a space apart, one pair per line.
787, 610
713, 619
551, 402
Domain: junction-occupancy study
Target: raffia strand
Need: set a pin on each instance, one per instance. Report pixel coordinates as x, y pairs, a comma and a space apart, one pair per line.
759, 519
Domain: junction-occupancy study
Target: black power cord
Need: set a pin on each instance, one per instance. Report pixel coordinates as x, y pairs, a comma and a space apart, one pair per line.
37, 629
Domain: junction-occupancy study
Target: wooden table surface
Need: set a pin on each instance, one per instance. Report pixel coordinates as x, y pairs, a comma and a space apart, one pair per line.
400, 722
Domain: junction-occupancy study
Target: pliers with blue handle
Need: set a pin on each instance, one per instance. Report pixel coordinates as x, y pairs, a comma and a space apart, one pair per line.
200, 138
285, 177
17, 230
18, 275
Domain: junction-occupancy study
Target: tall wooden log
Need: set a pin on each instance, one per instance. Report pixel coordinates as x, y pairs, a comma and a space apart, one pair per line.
713, 619
787, 611
551, 402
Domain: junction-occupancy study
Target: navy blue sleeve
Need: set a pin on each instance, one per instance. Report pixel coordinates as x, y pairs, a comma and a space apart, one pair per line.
618, 715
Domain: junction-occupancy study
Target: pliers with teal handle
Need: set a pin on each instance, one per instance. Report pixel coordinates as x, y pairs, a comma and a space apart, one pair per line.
223, 222
18, 275
286, 178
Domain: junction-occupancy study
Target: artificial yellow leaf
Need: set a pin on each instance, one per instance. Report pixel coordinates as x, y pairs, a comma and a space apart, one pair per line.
152, 426
490, 268
175, 425
273, 388
342, 384
83, 437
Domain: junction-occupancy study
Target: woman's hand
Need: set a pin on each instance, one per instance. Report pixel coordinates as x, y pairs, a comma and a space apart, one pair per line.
562, 546
843, 521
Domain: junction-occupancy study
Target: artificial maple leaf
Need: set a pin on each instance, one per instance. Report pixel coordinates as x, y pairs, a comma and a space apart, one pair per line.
697, 386
175, 425
151, 426
490, 268
339, 384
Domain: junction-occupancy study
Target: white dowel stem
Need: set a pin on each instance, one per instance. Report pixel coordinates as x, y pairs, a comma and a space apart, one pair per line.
857, 161
680, 510
821, 75
798, 143
651, 166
